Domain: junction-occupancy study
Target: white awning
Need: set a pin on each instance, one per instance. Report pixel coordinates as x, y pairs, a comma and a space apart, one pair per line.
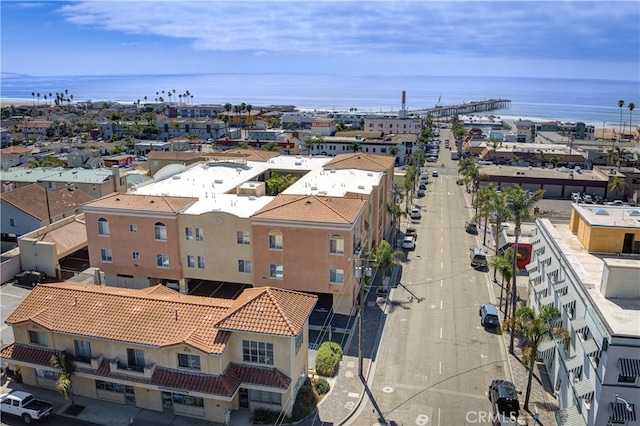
551, 269
546, 301
574, 364
568, 299
560, 287
546, 348
535, 277
537, 243
584, 389
620, 412
545, 258
531, 267
570, 416
629, 367
540, 287
590, 347
579, 324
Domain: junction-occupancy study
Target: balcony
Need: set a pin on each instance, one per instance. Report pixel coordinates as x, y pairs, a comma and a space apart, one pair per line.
116, 366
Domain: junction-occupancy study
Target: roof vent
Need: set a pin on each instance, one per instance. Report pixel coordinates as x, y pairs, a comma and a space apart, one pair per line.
175, 177
360, 186
251, 197
218, 180
633, 212
314, 187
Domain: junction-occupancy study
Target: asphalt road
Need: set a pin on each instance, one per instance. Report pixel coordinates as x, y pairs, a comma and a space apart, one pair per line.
435, 361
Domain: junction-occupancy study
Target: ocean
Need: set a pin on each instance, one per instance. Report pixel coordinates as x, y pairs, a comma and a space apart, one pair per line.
591, 101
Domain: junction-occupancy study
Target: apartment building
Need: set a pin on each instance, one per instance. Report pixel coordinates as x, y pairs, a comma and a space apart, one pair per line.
220, 225
160, 350
390, 124
590, 271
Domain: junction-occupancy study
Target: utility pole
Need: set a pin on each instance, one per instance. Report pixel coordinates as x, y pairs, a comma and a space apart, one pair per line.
363, 267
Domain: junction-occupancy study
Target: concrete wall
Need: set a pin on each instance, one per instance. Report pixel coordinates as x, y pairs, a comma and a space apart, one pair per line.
39, 255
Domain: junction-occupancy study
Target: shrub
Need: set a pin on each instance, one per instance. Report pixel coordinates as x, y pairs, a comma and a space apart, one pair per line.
328, 358
306, 401
264, 416
322, 387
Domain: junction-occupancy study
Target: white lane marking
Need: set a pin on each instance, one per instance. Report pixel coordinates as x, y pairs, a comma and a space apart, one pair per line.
441, 332
440, 303
441, 265
441, 250
440, 367
12, 295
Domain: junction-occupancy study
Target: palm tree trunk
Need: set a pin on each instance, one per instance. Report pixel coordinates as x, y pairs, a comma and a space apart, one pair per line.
528, 392
501, 292
484, 237
514, 304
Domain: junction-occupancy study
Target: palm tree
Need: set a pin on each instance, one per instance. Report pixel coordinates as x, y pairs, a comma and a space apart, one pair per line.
617, 185
520, 202
502, 263
249, 107
620, 104
38, 95
354, 146
312, 142
33, 98
484, 205
385, 257
64, 363
396, 216
611, 155
533, 329
631, 107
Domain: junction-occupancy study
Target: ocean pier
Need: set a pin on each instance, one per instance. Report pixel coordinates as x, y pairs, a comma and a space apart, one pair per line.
466, 108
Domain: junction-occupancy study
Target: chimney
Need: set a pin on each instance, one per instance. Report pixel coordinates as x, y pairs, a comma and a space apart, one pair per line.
116, 179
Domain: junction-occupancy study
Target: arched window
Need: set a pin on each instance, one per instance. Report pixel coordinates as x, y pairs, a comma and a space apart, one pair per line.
160, 231
103, 226
336, 244
275, 240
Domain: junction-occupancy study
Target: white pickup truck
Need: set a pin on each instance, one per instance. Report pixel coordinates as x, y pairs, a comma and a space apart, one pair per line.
23, 404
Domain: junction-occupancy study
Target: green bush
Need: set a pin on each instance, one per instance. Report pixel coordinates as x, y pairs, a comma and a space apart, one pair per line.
306, 401
322, 387
328, 358
263, 416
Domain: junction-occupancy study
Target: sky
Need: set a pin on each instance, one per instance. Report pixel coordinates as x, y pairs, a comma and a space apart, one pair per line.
557, 39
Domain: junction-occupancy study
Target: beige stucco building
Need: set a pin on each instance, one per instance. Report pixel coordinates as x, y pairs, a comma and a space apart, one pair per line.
164, 351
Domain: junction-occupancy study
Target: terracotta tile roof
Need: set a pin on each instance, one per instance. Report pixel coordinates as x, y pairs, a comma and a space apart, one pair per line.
32, 199
156, 203
173, 155
254, 154
15, 150
133, 315
312, 208
362, 161
269, 310
67, 237
225, 384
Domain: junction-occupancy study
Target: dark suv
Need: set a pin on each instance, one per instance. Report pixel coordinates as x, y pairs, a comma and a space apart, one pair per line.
504, 399
30, 278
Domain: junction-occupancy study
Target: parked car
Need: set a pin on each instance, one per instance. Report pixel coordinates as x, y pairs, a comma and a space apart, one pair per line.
503, 396
478, 258
412, 232
408, 243
421, 193
24, 405
615, 203
434, 173
598, 199
489, 315
30, 278
471, 228
415, 214
576, 197
587, 199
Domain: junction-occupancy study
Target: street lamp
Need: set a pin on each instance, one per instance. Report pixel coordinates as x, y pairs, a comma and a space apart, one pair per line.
360, 276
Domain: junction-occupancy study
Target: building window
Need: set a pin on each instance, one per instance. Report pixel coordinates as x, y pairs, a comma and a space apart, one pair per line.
200, 262
133, 228
109, 386
191, 362
191, 261
135, 359
168, 399
135, 255
12, 223
37, 338
257, 352
106, 256
83, 350
265, 397
336, 244
276, 271
103, 227
299, 340
626, 379
162, 260
199, 234
243, 237
275, 240
188, 233
244, 266
336, 276
46, 374
160, 231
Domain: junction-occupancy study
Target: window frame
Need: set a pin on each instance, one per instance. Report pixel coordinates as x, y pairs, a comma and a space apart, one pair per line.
257, 352
160, 231
199, 234
273, 271
242, 266
160, 261
276, 240
188, 233
38, 338
191, 261
334, 274
133, 227
103, 227
106, 255
334, 244
201, 262
190, 363
82, 350
243, 237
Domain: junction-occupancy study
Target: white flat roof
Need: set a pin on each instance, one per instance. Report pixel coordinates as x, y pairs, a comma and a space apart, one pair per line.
622, 315
335, 183
610, 216
214, 183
